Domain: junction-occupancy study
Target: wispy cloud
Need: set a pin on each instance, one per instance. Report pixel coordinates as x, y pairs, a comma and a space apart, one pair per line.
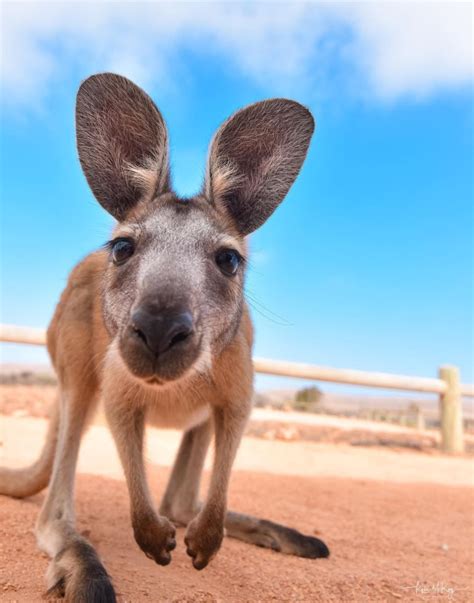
382, 50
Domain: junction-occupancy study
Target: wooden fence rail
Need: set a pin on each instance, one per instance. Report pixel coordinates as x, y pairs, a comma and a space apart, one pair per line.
447, 386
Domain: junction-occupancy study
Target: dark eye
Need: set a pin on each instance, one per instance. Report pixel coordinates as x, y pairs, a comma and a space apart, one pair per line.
122, 249
228, 261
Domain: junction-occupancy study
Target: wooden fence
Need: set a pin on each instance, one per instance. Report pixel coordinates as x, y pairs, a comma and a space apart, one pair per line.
448, 386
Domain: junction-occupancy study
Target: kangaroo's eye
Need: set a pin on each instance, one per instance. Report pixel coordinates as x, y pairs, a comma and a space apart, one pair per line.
228, 261
122, 249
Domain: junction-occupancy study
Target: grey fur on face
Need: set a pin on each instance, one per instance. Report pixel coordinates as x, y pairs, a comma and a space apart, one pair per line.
174, 265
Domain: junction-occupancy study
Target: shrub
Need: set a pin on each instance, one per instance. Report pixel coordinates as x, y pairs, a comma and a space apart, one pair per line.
308, 399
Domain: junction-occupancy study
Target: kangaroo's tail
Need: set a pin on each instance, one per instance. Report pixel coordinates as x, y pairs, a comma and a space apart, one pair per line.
30, 480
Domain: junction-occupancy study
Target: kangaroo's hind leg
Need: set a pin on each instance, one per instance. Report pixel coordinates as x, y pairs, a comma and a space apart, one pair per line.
75, 570
180, 503
270, 535
181, 499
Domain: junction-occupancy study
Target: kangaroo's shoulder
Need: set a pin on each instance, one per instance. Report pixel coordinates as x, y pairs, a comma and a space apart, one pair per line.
78, 318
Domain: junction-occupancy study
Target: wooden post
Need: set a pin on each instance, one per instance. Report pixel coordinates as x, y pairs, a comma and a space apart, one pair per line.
452, 439
420, 420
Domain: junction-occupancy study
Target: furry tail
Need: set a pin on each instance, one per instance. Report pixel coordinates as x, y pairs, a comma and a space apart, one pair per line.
27, 481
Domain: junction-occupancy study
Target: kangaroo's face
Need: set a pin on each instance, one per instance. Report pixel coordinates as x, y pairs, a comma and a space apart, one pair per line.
173, 288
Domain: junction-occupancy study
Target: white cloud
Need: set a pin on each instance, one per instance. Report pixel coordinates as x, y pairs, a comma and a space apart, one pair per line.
378, 49
413, 48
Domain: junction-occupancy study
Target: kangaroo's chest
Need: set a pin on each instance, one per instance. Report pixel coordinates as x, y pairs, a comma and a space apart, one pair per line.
179, 416
181, 404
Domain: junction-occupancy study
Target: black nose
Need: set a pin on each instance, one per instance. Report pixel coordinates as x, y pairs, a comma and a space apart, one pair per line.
161, 331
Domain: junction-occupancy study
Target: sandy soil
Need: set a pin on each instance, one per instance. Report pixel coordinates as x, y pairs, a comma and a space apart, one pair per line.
397, 522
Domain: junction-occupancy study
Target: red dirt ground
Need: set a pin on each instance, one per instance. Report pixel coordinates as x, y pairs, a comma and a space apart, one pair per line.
390, 534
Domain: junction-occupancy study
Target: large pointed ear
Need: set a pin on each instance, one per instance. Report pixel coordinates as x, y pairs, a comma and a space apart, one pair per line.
254, 159
122, 142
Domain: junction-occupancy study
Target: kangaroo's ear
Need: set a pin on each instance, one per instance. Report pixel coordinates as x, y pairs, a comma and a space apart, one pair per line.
122, 142
254, 159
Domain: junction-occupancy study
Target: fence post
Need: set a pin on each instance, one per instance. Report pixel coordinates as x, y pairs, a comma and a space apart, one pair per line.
452, 439
420, 420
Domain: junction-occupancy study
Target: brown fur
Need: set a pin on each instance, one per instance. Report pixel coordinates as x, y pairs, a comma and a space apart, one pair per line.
202, 381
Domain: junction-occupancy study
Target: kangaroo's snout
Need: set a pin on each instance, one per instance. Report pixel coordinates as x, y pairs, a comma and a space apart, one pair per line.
161, 340
162, 330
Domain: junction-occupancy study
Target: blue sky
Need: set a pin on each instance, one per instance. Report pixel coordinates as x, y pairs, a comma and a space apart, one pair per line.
368, 262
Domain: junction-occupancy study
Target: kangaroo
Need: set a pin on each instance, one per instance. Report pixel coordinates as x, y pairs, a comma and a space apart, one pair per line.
155, 324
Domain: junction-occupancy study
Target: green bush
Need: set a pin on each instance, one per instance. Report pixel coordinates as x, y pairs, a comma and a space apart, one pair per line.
309, 394
307, 399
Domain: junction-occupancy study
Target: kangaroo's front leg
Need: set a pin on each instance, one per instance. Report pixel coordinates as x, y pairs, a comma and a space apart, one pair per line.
154, 534
206, 531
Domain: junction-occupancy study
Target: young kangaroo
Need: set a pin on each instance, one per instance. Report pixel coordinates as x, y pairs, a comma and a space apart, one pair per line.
155, 324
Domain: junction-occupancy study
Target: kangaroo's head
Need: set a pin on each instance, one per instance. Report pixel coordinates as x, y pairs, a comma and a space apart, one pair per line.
173, 288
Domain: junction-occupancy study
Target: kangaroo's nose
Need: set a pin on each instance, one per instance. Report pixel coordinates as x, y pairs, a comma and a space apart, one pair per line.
160, 331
